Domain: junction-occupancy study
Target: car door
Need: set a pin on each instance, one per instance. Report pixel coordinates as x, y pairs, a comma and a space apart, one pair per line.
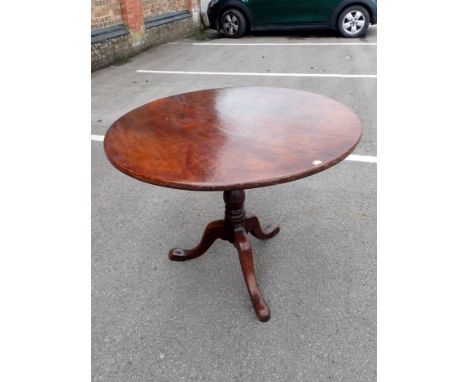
325, 10
283, 12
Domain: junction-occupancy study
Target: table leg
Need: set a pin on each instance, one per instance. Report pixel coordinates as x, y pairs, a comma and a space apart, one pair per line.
214, 230
252, 225
234, 228
244, 248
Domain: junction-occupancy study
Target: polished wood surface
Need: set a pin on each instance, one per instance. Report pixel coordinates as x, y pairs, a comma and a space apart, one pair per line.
232, 138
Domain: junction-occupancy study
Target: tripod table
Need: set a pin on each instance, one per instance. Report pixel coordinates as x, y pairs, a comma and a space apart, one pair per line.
229, 140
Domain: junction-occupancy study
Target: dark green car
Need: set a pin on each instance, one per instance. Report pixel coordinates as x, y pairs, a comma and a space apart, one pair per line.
235, 17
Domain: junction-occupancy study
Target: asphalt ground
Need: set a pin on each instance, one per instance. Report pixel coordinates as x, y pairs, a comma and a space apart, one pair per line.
157, 320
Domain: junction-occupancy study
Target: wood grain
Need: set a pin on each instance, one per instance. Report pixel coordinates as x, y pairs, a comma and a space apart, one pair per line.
232, 138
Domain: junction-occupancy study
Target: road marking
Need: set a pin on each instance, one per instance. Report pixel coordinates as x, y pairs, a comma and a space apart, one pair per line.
361, 158
274, 43
325, 75
97, 138
352, 157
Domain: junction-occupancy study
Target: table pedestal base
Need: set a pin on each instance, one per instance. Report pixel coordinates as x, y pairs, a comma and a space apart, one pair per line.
234, 228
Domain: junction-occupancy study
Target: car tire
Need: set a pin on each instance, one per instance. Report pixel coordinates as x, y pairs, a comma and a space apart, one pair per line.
353, 21
233, 23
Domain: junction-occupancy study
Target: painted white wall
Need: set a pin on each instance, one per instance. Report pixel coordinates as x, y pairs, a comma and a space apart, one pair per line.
203, 8
196, 12
204, 5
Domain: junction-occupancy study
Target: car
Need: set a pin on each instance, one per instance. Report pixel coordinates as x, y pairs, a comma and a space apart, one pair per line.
235, 17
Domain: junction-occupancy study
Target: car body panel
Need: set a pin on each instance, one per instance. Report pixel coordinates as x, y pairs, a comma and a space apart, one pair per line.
288, 14
275, 12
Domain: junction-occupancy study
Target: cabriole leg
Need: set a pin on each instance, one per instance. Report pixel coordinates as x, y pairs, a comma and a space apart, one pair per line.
214, 230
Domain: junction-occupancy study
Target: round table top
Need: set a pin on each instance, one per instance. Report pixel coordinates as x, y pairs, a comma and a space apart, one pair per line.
232, 138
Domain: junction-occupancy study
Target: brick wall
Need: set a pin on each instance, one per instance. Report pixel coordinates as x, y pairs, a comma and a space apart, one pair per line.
160, 7
105, 13
110, 51
123, 28
132, 14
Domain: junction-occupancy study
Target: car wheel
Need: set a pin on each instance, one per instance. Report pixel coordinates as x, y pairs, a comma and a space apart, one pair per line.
353, 21
233, 23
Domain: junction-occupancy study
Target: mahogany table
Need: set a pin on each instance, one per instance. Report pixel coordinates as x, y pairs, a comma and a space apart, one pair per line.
229, 140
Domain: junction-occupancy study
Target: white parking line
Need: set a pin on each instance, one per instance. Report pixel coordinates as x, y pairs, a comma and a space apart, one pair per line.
351, 158
325, 75
361, 158
97, 137
274, 43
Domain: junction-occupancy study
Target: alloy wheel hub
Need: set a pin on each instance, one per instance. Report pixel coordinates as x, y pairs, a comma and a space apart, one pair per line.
353, 22
231, 24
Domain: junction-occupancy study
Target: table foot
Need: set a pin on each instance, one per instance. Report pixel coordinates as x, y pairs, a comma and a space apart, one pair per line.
244, 249
235, 228
252, 225
214, 230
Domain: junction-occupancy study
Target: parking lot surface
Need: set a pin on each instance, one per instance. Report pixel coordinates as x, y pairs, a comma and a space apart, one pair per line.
156, 320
